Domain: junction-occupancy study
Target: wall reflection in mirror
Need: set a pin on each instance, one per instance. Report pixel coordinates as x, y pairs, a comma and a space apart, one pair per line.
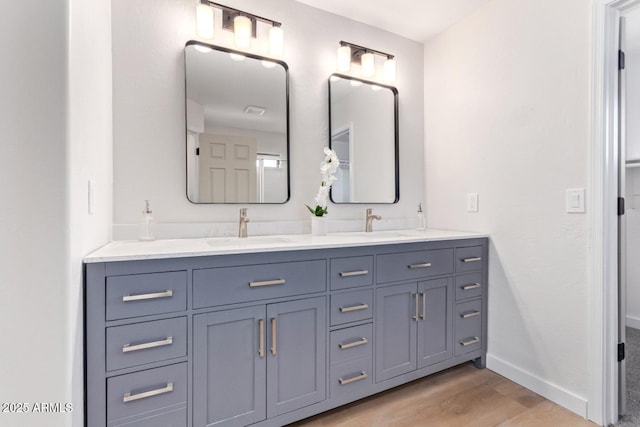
364, 134
237, 126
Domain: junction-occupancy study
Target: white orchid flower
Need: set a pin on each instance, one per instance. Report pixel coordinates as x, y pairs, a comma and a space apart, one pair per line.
328, 168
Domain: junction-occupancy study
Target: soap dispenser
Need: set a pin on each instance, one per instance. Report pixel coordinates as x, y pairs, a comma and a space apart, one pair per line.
147, 224
421, 223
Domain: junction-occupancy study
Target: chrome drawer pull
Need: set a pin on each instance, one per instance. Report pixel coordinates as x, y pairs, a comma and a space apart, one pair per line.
468, 341
128, 347
261, 339
470, 314
360, 377
354, 273
267, 283
354, 308
423, 265
274, 336
472, 286
128, 397
415, 316
156, 295
474, 259
361, 341
423, 316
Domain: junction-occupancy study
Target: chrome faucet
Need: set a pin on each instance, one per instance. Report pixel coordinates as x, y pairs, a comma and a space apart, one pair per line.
370, 217
242, 229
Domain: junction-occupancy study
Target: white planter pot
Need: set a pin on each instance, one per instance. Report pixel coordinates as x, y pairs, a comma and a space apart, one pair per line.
319, 225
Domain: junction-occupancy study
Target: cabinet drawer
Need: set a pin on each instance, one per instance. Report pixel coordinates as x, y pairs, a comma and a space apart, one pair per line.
351, 343
351, 307
351, 272
469, 259
468, 327
468, 286
146, 391
228, 285
414, 265
144, 294
146, 342
351, 378
174, 418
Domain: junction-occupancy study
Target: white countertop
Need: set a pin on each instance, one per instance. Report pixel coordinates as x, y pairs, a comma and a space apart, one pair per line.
181, 248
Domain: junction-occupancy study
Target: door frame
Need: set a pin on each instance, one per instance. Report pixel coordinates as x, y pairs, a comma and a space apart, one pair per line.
603, 315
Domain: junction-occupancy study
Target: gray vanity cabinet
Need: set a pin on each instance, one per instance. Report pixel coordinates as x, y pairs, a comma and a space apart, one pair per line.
267, 339
231, 389
414, 324
258, 362
296, 360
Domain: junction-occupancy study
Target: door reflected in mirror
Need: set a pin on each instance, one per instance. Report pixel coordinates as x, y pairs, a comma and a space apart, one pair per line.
237, 119
363, 125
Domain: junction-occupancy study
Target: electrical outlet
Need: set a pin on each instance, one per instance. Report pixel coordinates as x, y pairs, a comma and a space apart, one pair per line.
472, 202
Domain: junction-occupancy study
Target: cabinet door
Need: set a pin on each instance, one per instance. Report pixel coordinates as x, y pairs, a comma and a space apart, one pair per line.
229, 373
296, 361
396, 309
435, 325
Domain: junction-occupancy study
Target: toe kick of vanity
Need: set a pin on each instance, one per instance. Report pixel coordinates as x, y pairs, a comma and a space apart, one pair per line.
269, 338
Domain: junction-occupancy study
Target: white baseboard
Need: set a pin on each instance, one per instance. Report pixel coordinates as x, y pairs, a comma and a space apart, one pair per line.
539, 385
633, 322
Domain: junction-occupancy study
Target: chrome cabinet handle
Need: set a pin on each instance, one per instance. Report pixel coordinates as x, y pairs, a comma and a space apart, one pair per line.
474, 259
354, 308
261, 343
470, 314
354, 273
423, 265
267, 283
361, 341
274, 336
415, 316
155, 295
471, 286
128, 397
128, 347
360, 377
468, 341
424, 305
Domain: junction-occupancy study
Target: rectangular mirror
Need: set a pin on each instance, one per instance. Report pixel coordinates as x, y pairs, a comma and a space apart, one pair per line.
363, 126
237, 119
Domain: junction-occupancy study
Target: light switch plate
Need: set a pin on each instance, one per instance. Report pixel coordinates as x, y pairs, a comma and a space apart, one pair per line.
472, 202
574, 200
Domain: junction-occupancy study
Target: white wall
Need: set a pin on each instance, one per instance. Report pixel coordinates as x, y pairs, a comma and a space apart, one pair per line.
507, 116
89, 158
632, 217
34, 243
149, 129
54, 119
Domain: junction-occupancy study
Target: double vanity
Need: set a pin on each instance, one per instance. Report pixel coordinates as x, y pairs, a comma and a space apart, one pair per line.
269, 330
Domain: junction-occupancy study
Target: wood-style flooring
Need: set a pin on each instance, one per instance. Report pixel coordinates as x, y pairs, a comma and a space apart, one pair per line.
460, 396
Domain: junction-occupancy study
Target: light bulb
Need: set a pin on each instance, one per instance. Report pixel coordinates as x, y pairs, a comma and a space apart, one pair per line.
390, 70
204, 21
367, 62
344, 58
276, 42
242, 31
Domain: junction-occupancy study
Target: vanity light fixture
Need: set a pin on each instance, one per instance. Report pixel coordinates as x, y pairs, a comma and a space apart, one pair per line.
204, 21
243, 25
349, 52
